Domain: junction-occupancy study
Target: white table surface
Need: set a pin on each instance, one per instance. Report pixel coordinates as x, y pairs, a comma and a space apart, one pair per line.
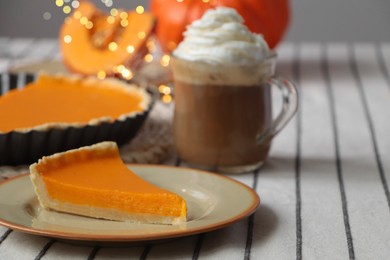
324, 190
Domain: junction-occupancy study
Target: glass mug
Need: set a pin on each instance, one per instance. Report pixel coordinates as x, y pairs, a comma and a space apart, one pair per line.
223, 113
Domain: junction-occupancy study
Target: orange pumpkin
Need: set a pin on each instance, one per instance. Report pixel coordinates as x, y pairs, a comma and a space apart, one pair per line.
92, 42
267, 17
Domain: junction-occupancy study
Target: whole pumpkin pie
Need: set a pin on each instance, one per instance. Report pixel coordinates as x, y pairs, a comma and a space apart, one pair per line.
56, 113
93, 181
58, 101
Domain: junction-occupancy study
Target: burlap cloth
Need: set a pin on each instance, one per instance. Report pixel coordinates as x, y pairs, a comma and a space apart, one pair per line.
152, 144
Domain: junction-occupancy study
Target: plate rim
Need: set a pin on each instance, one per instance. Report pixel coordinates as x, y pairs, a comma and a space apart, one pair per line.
148, 237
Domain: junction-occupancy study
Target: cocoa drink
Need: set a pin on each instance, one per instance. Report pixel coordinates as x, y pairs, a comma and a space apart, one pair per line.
222, 79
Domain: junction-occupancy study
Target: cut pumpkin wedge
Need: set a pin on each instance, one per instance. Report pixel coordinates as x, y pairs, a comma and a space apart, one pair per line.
93, 42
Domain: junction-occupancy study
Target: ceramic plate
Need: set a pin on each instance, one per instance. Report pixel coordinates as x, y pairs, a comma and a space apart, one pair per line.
213, 201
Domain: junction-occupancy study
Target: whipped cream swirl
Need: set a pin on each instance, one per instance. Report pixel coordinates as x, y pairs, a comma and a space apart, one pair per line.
221, 37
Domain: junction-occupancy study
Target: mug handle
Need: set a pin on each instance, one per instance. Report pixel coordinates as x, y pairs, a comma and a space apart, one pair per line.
289, 107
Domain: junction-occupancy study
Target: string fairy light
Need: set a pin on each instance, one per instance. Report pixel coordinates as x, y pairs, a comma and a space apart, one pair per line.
107, 3
130, 49
101, 74
148, 58
119, 68
75, 4
114, 12
164, 89
59, 3
127, 74
89, 25
166, 93
110, 19
66, 9
112, 46
165, 59
77, 15
141, 34
123, 15
166, 98
124, 23
46, 16
140, 9
66, 6
67, 39
83, 20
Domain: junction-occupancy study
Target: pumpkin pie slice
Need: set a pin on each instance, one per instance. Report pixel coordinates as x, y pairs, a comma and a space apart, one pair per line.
93, 181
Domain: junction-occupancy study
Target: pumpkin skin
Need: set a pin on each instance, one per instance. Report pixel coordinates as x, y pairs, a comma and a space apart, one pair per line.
267, 17
88, 52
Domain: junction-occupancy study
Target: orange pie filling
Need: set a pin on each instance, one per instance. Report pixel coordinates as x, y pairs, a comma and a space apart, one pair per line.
93, 181
59, 100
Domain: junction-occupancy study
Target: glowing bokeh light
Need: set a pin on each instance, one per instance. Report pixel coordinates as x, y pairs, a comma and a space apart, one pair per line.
89, 25
141, 34
120, 68
123, 15
127, 74
165, 60
112, 46
108, 3
111, 19
148, 58
101, 75
161, 88
114, 12
167, 99
75, 4
59, 3
46, 16
140, 9
67, 39
77, 15
124, 23
83, 20
66, 9
164, 89
130, 49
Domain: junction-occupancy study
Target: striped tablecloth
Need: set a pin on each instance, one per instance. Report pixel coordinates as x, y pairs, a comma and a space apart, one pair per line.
324, 189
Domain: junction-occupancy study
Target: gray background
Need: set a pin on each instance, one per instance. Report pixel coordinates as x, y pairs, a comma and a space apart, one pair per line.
312, 20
